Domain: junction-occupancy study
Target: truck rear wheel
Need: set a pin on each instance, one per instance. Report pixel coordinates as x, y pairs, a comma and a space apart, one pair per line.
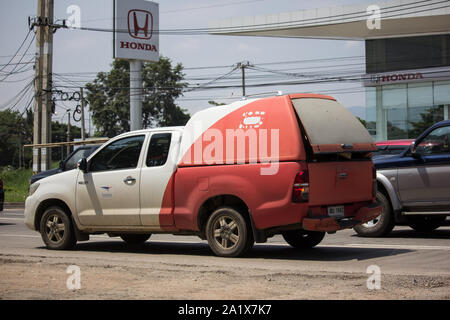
135, 238
381, 225
228, 233
303, 239
57, 230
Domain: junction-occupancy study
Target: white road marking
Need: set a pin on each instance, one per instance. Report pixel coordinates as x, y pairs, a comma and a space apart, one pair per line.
349, 245
18, 235
13, 219
389, 246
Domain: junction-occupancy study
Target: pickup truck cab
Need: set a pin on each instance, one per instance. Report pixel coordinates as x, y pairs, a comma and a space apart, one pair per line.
414, 186
297, 165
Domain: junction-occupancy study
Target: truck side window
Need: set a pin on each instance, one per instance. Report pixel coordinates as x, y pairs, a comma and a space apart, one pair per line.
121, 154
71, 163
158, 149
437, 142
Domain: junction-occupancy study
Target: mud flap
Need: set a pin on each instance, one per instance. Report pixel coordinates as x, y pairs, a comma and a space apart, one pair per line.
81, 236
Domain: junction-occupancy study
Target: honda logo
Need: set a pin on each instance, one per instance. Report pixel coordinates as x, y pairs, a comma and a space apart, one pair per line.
140, 24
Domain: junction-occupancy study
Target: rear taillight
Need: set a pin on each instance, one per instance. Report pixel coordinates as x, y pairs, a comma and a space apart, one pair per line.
301, 187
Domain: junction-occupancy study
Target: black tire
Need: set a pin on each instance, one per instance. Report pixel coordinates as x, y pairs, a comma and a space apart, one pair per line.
228, 232
303, 239
425, 223
381, 225
57, 230
135, 238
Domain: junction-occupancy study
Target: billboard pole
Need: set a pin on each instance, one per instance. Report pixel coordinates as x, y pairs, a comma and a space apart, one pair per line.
135, 95
136, 39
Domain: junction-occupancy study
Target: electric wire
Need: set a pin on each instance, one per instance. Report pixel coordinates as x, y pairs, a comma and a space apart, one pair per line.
296, 23
17, 51
15, 67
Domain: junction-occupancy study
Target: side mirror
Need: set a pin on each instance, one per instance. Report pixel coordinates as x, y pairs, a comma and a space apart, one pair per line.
61, 165
82, 165
413, 147
413, 150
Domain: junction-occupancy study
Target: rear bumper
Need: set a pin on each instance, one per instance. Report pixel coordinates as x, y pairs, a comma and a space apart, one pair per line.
328, 224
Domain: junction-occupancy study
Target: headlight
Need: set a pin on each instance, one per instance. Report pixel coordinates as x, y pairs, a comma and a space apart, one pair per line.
33, 188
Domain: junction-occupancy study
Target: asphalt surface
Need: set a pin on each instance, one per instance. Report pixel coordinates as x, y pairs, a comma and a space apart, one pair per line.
403, 253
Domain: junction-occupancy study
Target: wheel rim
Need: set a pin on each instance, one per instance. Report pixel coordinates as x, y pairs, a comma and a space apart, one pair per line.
55, 228
371, 223
226, 232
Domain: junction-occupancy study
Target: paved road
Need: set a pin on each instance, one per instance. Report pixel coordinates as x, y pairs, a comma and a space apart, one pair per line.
413, 265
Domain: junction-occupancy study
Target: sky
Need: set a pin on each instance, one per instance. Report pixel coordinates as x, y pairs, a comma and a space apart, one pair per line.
80, 51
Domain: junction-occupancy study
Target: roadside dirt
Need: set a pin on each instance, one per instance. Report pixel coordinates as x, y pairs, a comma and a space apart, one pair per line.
24, 277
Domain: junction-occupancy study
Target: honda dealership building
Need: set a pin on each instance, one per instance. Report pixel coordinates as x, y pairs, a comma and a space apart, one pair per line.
407, 44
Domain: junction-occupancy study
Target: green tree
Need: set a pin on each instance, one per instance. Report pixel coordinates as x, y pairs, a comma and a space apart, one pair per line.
428, 118
16, 130
59, 134
109, 97
364, 122
14, 133
215, 103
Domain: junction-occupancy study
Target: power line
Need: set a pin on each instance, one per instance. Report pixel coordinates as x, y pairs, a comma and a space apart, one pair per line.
348, 75
11, 55
17, 51
15, 67
295, 23
216, 79
20, 95
404, 59
14, 63
361, 14
324, 80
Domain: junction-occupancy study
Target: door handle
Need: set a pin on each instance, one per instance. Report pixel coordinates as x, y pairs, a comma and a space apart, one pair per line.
129, 180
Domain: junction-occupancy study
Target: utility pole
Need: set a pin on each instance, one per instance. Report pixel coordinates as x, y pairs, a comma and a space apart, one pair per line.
83, 137
243, 65
43, 104
68, 131
47, 105
38, 86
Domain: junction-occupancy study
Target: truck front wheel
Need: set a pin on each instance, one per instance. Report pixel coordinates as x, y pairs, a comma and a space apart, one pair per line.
57, 230
228, 234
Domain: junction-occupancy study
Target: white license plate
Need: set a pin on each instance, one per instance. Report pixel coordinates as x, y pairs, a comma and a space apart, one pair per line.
336, 211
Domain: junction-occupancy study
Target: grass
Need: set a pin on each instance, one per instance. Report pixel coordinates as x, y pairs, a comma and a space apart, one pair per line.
15, 183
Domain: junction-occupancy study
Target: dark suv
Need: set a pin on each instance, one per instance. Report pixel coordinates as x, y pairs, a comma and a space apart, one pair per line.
414, 186
68, 164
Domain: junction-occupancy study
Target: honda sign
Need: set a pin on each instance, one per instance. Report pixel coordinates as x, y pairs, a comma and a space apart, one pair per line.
135, 27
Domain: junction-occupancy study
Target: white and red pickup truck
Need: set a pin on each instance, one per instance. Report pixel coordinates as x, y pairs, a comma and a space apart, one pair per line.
297, 165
